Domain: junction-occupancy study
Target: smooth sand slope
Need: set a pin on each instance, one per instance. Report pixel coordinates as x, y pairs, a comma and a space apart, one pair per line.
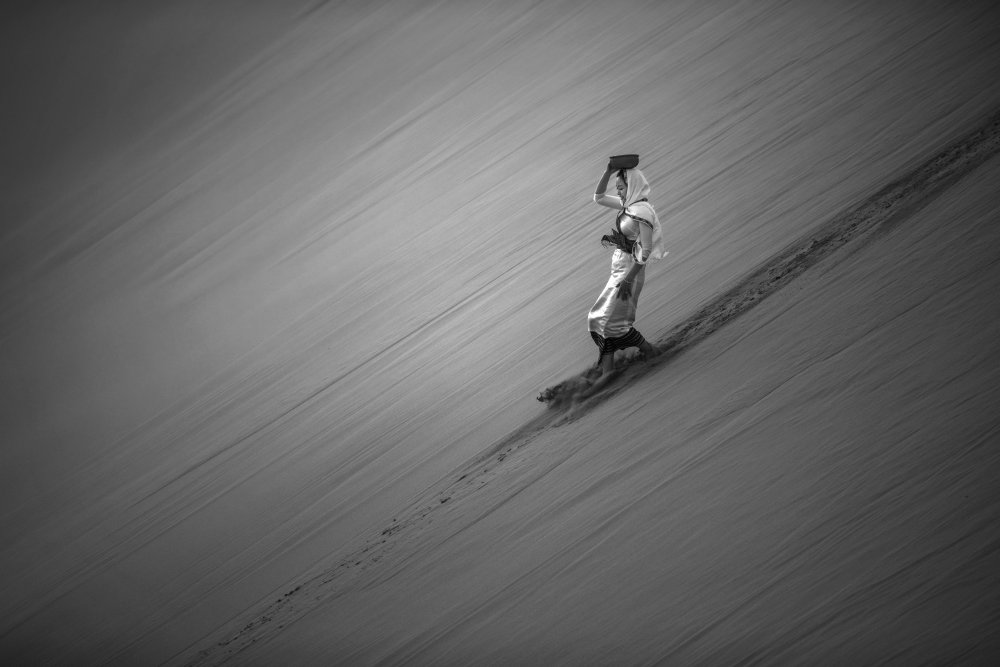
685, 515
273, 281
815, 484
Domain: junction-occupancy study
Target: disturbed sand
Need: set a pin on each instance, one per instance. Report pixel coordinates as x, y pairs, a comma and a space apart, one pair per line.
279, 287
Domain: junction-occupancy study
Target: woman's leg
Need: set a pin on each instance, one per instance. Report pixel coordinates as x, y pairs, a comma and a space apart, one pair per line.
634, 339
605, 353
607, 362
607, 347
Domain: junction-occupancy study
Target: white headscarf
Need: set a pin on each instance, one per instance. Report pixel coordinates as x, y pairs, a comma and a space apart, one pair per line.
638, 188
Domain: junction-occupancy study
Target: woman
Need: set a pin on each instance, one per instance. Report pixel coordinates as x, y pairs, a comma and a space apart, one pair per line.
638, 239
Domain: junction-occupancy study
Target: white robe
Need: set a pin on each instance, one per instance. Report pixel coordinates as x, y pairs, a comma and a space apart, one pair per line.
611, 317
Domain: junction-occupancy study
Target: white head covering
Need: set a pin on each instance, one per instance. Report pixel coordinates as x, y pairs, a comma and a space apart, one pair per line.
637, 187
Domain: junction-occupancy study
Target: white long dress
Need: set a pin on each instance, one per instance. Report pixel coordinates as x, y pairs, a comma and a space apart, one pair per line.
611, 317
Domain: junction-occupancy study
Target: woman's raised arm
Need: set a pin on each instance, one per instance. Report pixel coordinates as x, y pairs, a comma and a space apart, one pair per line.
611, 201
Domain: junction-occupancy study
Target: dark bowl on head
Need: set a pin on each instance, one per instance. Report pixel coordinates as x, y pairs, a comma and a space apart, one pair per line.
624, 161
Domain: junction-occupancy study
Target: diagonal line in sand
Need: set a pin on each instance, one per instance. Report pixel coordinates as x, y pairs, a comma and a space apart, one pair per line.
568, 399
877, 213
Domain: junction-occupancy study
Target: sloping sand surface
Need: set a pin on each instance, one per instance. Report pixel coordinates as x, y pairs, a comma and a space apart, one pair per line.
279, 287
754, 500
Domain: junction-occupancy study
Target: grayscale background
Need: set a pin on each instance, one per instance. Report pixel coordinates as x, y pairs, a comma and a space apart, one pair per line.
271, 271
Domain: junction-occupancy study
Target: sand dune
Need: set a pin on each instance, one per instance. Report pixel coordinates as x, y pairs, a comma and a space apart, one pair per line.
279, 285
890, 281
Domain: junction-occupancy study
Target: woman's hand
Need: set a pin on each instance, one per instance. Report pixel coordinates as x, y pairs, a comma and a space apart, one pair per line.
625, 290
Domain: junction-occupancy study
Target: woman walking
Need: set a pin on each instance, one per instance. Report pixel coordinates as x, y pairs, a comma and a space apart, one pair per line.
637, 238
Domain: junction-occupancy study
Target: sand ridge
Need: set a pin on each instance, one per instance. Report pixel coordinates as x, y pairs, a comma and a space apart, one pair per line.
877, 213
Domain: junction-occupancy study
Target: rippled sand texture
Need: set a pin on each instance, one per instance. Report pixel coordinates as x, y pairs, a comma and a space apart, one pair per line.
275, 283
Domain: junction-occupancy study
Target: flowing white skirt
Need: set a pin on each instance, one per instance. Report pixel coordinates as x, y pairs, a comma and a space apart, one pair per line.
611, 317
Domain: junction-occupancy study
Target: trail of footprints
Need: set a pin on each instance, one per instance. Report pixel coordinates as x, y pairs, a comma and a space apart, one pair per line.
298, 601
879, 211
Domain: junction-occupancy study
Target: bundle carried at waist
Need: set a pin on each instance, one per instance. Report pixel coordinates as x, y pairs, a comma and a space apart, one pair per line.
619, 240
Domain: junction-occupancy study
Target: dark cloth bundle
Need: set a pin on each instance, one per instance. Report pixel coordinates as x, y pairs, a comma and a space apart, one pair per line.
616, 238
